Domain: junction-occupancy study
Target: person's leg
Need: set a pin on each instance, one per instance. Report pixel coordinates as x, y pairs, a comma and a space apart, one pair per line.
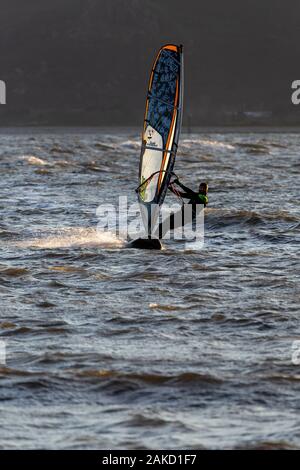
185, 217
172, 222
196, 216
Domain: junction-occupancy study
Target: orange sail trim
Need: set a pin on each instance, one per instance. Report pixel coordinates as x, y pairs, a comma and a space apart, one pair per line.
169, 47
169, 136
161, 127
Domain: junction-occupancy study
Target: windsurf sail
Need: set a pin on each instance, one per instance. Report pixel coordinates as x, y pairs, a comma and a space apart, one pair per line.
162, 125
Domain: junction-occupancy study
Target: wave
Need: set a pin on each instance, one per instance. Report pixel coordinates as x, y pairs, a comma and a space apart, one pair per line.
220, 218
8, 371
7, 234
187, 378
94, 166
206, 143
13, 272
267, 445
131, 144
32, 160
104, 147
58, 149
256, 148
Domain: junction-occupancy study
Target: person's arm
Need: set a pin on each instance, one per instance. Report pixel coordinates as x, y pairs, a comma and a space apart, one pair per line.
180, 193
189, 193
171, 189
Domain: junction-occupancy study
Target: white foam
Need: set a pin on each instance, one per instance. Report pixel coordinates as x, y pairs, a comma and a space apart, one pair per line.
134, 144
32, 160
73, 237
207, 143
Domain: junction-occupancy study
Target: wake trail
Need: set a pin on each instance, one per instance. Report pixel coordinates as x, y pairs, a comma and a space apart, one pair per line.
72, 237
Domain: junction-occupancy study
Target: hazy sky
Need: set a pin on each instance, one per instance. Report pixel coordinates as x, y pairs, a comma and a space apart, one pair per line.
88, 61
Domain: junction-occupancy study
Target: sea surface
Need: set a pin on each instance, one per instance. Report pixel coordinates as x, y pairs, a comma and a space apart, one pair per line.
109, 347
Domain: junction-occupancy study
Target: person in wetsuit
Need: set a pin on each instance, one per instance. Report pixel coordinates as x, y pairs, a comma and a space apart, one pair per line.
199, 197
195, 198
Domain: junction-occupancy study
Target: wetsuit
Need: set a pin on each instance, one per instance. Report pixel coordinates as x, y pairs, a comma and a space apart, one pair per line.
194, 199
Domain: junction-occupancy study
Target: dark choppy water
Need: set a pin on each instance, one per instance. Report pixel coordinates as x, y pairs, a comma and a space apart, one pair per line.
115, 348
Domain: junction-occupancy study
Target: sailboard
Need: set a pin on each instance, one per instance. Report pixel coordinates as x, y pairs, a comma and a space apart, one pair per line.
161, 130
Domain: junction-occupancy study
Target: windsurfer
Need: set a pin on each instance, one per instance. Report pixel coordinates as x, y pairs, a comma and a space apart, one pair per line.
195, 198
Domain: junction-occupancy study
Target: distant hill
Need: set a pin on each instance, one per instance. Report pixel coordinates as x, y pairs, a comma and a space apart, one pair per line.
86, 62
